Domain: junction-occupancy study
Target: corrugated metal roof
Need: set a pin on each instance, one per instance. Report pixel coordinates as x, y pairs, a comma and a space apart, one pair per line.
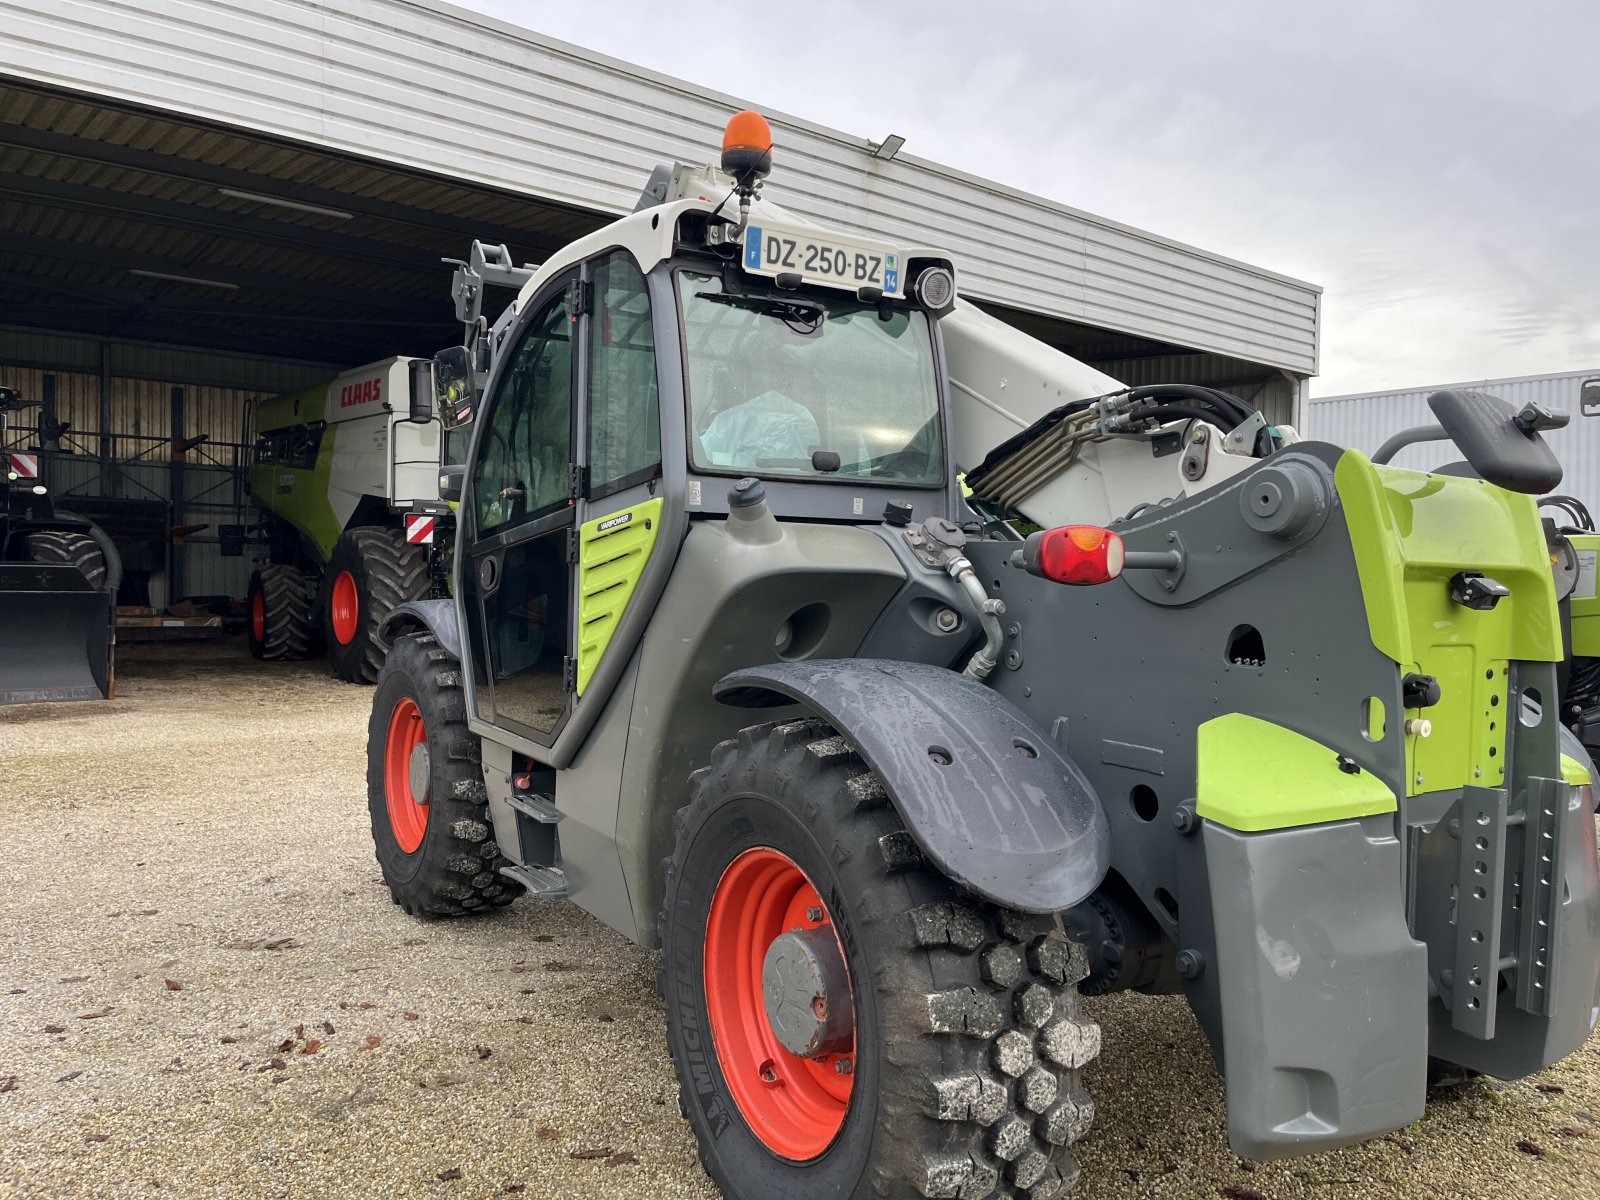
436, 89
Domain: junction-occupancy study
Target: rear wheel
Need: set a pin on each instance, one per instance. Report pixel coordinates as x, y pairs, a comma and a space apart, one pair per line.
370, 572
845, 1020
425, 792
280, 610
77, 549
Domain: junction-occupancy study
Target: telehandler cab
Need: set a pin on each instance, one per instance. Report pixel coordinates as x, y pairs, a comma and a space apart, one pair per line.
721, 603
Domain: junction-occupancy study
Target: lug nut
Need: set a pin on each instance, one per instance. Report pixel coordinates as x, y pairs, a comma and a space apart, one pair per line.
1191, 963
843, 1066
814, 913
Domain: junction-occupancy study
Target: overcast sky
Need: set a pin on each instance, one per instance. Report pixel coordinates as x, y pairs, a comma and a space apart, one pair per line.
1435, 166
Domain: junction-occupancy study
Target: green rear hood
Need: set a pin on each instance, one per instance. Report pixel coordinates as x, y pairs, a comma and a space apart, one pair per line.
1411, 532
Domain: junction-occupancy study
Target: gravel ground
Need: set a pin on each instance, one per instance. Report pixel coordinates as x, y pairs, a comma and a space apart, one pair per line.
211, 995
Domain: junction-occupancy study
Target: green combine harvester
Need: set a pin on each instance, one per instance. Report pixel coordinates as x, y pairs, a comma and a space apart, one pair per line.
1172, 701
347, 484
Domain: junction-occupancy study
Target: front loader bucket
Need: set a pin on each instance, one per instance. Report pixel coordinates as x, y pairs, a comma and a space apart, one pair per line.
55, 634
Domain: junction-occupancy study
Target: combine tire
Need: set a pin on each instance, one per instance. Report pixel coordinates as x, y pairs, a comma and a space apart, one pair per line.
281, 612
369, 573
940, 1052
425, 792
78, 549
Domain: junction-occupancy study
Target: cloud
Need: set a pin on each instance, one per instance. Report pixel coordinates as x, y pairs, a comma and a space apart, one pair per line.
1433, 165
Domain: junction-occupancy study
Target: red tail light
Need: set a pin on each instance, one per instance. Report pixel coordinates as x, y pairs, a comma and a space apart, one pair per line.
1075, 554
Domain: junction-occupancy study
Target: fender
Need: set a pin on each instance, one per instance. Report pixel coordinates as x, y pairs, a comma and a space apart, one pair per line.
988, 798
438, 617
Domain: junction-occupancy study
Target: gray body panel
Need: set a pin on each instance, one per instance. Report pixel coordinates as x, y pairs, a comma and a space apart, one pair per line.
732, 590
1324, 990
1338, 1051
1545, 1008
1123, 679
438, 617
986, 795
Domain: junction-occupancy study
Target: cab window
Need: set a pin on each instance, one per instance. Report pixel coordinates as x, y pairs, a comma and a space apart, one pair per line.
624, 420
522, 468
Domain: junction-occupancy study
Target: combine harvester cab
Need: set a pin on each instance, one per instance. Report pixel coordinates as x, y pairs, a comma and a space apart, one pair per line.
58, 587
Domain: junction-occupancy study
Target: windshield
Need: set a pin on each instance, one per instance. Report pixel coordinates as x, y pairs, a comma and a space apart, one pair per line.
785, 383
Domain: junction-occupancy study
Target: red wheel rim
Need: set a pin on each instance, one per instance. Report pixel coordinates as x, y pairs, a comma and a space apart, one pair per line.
408, 814
345, 607
258, 617
795, 1106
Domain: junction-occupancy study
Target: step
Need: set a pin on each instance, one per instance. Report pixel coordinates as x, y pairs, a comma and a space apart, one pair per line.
548, 883
540, 808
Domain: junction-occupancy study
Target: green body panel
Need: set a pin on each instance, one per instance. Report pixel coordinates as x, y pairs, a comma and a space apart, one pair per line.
1574, 772
612, 553
292, 408
1253, 775
301, 497
1585, 608
1411, 532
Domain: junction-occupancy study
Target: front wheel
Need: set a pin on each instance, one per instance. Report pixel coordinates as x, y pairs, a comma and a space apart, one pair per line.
425, 794
370, 573
845, 1020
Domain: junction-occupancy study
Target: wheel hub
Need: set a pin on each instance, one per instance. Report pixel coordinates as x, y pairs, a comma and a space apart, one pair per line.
418, 771
773, 962
806, 990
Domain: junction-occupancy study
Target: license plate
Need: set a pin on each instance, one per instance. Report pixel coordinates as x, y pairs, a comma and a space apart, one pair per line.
834, 262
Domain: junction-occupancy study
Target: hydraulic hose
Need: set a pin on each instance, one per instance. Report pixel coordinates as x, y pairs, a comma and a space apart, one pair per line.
987, 656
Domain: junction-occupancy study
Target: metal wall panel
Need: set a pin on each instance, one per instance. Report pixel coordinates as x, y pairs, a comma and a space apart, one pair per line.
439, 89
1365, 421
1272, 393
214, 491
139, 360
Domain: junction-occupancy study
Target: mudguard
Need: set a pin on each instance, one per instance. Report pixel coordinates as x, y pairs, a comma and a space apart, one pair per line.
986, 795
438, 617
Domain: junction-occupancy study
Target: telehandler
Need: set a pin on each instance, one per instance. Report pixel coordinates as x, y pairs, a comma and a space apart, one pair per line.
1171, 701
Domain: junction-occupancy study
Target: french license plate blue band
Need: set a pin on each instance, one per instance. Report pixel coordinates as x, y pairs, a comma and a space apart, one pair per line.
752, 248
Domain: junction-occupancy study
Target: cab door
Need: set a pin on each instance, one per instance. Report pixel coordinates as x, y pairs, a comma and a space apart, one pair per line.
521, 500
620, 507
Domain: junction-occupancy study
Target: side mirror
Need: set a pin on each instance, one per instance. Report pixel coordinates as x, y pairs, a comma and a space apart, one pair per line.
453, 385
421, 410
452, 478
1502, 445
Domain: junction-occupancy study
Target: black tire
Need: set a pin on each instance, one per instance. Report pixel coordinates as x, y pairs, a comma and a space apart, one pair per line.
454, 869
76, 549
385, 571
280, 613
970, 1041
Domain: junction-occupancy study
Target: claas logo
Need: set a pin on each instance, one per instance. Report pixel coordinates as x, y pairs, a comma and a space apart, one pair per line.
367, 392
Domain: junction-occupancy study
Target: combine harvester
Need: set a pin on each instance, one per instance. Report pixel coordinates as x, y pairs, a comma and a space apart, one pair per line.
346, 485
346, 478
1247, 718
58, 586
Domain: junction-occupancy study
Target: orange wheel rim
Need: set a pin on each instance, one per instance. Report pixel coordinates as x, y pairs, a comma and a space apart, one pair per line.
795, 1106
345, 605
408, 812
258, 616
